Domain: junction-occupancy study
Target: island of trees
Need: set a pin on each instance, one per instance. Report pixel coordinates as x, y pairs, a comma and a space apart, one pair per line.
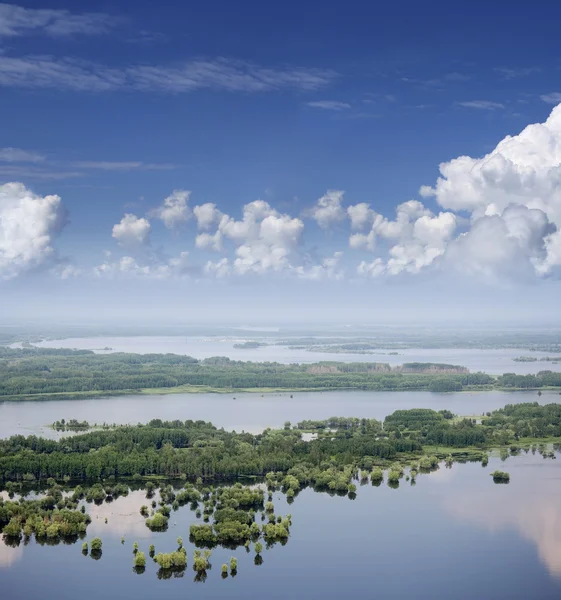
31, 373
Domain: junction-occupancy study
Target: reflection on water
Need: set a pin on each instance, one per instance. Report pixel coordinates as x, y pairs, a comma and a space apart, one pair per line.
402, 530
529, 504
123, 517
9, 555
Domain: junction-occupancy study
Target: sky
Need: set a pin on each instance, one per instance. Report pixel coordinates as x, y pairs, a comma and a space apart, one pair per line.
352, 161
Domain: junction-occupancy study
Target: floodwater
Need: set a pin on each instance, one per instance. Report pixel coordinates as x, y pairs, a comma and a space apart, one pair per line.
495, 361
251, 412
455, 535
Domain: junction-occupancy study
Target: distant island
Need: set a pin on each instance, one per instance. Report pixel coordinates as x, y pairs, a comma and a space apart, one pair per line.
249, 345
43, 374
531, 359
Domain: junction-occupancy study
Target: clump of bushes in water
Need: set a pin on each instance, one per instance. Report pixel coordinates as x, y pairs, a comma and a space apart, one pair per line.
140, 560
172, 560
428, 462
43, 518
500, 477
201, 560
158, 522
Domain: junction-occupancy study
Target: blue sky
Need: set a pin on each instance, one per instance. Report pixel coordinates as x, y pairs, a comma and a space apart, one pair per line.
112, 107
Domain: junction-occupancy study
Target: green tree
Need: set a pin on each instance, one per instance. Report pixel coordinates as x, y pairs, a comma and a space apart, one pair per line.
96, 544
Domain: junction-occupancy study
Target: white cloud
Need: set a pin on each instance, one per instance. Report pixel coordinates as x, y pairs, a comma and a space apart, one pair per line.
328, 269
127, 266
375, 268
419, 238
328, 209
360, 215
270, 249
207, 215
214, 74
264, 239
361, 240
481, 104
502, 247
218, 269
105, 165
132, 230
31, 172
553, 98
66, 272
19, 156
513, 195
329, 105
28, 225
17, 21
174, 210
207, 241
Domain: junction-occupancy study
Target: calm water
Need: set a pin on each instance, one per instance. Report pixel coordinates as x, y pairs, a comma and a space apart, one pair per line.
490, 361
249, 412
455, 535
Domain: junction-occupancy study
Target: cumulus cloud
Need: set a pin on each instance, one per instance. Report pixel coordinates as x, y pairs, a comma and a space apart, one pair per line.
174, 210
264, 239
360, 215
65, 272
219, 269
132, 230
328, 209
503, 246
418, 238
207, 241
128, 266
207, 215
513, 197
373, 268
28, 225
329, 268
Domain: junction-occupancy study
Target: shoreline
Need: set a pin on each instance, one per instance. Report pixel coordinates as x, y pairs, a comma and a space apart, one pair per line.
93, 395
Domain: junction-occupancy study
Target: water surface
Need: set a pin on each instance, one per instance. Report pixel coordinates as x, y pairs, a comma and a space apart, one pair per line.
495, 361
250, 411
454, 536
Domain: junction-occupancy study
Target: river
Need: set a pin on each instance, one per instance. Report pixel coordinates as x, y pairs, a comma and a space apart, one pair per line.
251, 412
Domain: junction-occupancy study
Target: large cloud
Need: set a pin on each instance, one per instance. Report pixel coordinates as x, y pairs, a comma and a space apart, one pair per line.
513, 195
28, 225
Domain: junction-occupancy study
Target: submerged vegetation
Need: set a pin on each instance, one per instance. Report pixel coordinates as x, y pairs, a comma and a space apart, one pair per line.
347, 452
